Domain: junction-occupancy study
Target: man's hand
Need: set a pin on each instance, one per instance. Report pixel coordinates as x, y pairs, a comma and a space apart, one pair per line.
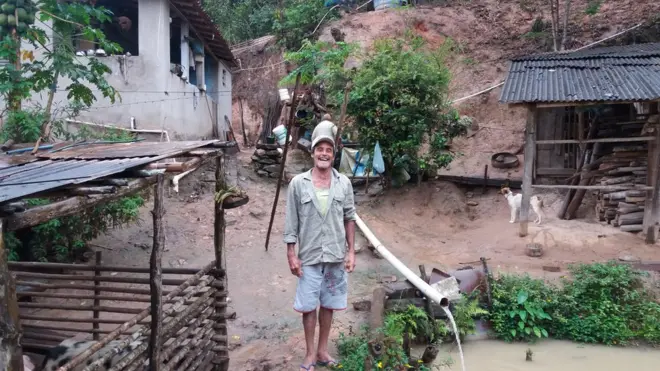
295, 266
349, 264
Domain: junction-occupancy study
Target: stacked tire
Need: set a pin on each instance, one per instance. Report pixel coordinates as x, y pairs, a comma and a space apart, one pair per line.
16, 15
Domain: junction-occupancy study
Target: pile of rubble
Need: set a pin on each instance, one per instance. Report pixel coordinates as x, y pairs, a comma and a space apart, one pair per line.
267, 159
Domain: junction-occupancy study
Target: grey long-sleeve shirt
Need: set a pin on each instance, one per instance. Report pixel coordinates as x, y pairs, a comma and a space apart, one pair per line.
320, 239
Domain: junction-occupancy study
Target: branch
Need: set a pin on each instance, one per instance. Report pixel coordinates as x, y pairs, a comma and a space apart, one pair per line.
567, 10
60, 19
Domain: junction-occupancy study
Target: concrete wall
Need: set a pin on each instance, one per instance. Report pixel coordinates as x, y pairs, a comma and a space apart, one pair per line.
154, 96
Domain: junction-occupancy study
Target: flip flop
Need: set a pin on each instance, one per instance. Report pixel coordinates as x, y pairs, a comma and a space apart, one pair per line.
328, 363
308, 368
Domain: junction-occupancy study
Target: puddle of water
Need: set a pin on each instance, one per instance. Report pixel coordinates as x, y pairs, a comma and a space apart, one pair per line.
550, 355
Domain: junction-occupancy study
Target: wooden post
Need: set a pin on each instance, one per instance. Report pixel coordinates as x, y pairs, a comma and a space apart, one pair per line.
11, 357
220, 260
156, 276
294, 102
245, 139
530, 154
97, 293
652, 206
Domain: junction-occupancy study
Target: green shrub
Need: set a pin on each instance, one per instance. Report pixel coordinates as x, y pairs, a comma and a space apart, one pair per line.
606, 303
520, 307
601, 303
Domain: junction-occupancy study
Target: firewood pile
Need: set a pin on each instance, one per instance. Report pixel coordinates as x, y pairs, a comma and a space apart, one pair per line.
623, 168
267, 159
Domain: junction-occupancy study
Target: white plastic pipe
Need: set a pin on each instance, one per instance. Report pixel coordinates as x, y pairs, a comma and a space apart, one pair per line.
424, 287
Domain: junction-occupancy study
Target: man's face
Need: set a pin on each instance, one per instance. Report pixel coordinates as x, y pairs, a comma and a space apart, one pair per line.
324, 155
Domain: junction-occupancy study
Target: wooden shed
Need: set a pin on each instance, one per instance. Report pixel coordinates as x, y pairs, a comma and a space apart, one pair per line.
181, 327
592, 126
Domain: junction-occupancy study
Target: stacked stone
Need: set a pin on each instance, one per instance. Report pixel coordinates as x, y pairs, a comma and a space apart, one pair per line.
267, 159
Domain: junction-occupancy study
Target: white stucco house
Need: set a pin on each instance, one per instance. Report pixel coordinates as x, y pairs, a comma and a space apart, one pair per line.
173, 75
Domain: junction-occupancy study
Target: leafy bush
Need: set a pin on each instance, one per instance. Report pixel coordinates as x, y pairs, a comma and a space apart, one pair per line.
242, 20
465, 312
520, 307
606, 303
298, 20
62, 239
399, 99
602, 303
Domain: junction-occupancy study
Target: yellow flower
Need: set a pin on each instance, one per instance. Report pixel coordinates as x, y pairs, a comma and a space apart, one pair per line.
407, 365
380, 364
419, 361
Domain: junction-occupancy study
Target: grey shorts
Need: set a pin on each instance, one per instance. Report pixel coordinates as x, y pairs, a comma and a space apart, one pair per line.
325, 284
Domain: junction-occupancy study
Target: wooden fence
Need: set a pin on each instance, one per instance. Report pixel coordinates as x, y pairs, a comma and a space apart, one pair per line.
59, 301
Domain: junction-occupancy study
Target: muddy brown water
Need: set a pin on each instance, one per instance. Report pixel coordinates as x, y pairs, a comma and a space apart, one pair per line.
549, 355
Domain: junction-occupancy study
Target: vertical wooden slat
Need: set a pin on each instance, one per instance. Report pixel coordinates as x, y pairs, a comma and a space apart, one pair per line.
97, 302
156, 276
220, 258
11, 358
652, 205
530, 153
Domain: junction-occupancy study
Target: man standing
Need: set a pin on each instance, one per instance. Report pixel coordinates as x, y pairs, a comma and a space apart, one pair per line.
320, 218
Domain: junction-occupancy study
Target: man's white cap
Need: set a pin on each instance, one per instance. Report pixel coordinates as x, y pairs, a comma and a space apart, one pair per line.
325, 131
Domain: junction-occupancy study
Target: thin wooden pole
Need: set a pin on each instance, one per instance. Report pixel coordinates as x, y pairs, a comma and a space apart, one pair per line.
97, 295
156, 276
342, 115
220, 257
530, 146
245, 139
11, 358
294, 102
652, 207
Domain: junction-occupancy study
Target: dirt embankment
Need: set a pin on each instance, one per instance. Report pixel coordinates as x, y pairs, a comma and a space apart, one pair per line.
486, 34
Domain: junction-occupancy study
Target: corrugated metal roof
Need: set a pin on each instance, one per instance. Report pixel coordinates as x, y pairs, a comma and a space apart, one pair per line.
202, 23
82, 164
124, 150
629, 73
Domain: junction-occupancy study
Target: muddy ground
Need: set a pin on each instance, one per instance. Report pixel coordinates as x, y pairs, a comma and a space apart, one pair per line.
433, 225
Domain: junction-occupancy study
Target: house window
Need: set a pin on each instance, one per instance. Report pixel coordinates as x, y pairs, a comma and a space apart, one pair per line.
123, 29
224, 77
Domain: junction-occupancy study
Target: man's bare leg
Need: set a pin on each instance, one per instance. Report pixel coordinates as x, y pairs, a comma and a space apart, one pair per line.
309, 324
325, 323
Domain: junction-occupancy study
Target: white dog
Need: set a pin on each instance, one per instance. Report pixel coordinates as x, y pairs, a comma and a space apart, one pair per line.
515, 200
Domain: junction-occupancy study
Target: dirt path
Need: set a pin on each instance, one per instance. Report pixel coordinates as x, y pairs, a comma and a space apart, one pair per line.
431, 225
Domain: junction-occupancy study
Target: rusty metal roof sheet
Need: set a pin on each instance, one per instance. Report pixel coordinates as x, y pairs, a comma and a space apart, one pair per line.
82, 164
626, 73
125, 150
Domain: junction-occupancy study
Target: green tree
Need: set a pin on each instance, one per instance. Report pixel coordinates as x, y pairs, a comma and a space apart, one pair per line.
399, 99
24, 75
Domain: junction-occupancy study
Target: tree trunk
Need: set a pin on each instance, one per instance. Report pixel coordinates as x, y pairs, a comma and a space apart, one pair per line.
567, 10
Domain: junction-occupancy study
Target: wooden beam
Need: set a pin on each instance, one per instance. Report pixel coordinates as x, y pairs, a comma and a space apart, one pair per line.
220, 253
41, 214
11, 357
597, 140
199, 36
652, 206
583, 104
156, 276
592, 187
530, 146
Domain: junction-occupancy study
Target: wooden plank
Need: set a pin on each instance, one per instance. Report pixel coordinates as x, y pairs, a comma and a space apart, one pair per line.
652, 205
560, 172
41, 214
11, 357
479, 181
597, 140
156, 276
530, 146
592, 187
